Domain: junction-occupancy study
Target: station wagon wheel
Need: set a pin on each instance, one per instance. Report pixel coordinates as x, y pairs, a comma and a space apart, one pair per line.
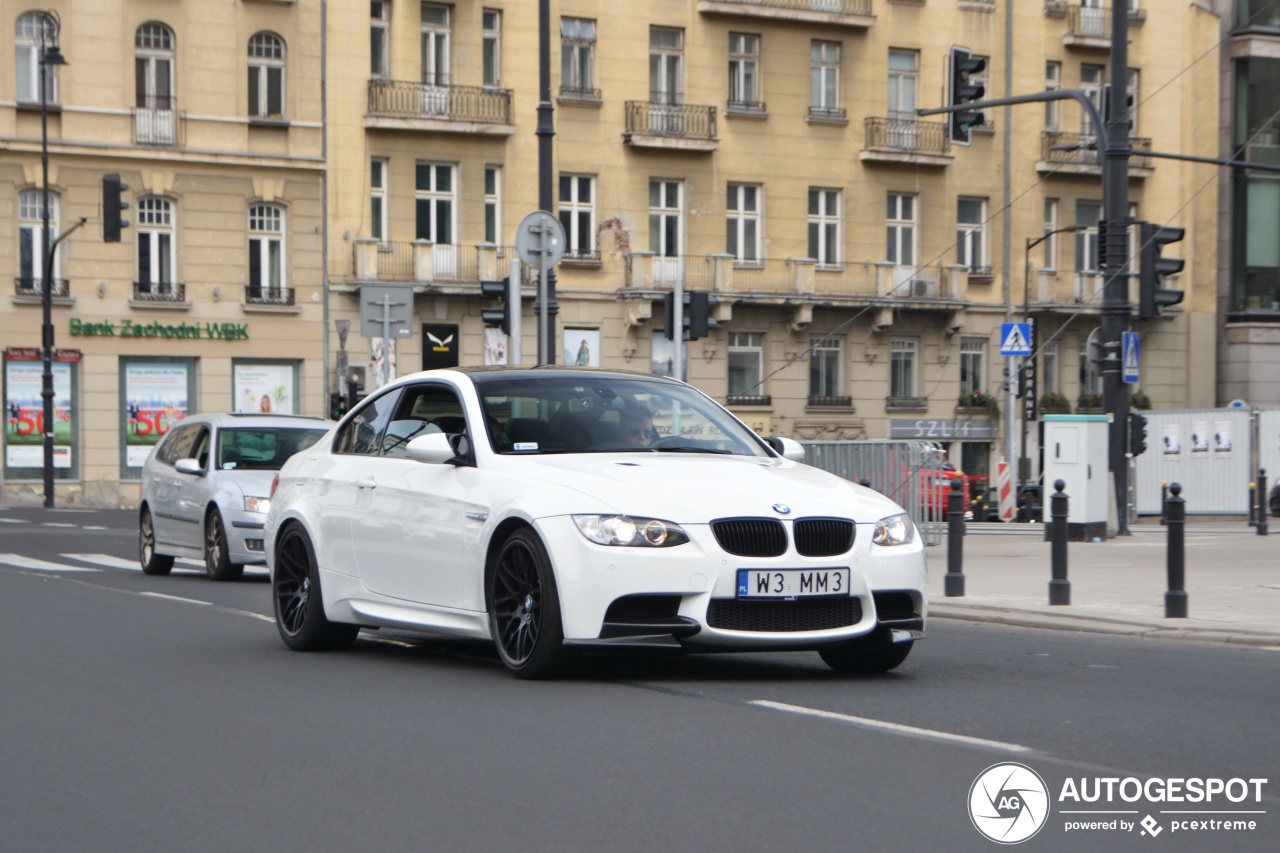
217, 559
866, 655
524, 610
299, 608
152, 563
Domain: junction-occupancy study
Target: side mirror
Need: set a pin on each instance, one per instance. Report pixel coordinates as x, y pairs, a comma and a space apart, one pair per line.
787, 448
188, 466
433, 448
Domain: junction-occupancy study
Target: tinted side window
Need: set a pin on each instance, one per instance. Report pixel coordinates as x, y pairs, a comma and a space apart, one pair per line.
177, 445
200, 448
423, 409
362, 433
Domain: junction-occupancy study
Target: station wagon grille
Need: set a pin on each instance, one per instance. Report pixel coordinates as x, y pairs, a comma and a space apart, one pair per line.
779, 616
823, 537
751, 537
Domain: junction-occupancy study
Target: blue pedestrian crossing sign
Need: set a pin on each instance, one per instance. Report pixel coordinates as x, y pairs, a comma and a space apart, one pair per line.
1131, 357
1015, 339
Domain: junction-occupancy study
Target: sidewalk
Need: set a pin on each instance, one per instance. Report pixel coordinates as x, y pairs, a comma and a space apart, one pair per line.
1118, 586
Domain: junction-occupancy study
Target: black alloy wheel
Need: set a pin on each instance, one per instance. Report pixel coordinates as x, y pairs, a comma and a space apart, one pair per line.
524, 610
217, 559
152, 563
871, 654
295, 591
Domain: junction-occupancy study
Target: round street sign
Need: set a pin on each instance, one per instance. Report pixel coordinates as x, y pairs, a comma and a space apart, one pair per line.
540, 234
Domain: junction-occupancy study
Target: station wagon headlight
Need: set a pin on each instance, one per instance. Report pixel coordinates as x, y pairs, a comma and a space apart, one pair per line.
625, 530
894, 530
262, 505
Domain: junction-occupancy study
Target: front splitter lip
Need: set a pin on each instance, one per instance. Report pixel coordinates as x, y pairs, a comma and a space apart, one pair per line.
663, 639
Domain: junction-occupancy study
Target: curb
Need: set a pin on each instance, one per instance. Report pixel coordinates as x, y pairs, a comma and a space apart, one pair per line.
1097, 625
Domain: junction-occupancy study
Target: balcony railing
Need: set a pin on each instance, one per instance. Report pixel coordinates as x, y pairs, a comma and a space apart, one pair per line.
685, 121
829, 402
749, 400
422, 262
1092, 24
145, 291
828, 113
158, 122
855, 13
58, 287
577, 93
400, 99
1081, 149
907, 135
745, 107
257, 295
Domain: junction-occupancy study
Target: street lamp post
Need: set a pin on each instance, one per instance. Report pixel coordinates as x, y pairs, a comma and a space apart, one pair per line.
49, 55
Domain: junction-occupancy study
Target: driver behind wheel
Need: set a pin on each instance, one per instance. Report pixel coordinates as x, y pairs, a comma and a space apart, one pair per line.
635, 426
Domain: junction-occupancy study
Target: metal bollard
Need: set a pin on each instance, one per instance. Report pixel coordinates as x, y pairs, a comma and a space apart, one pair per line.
1262, 502
1164, 496
1175, 598
1059, 586
953, 582
1253, 504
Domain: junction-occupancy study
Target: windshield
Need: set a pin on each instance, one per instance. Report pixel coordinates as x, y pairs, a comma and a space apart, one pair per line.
262, 448
608, 414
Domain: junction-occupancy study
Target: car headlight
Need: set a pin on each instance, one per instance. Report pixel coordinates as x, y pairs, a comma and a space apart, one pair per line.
894, 530
262, 505
625, 530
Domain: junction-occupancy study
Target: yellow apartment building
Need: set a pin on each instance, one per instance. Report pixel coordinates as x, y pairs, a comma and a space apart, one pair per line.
767, 152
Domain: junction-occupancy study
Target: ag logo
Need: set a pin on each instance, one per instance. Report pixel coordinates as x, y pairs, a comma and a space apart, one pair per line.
1008, 803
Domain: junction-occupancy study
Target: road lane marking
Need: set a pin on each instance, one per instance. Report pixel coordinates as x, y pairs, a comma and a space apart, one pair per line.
13, 521
21, 562
58, 524
105, 560
896, 728
177, 598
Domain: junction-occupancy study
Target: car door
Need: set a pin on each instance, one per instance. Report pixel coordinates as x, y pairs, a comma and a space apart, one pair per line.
409, 521
191, 493
160, 482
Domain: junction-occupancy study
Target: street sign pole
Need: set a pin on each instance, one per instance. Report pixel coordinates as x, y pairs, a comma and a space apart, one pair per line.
515, 308
540, 242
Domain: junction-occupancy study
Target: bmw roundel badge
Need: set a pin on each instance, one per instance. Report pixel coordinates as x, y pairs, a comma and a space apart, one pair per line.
781, 509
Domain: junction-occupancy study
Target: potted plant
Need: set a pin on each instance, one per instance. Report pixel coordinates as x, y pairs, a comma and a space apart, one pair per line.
1089, 403
1054, 404
1139, 400
972, 400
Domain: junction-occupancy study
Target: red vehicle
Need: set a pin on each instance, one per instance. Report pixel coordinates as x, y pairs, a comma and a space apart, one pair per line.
935, 485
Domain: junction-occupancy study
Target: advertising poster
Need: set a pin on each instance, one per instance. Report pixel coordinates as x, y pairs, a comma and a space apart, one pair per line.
1222, 437
1200, 438
264, 388
495, 346
439, 346
582, 347
1172, 440
24, 424
664, 356
155, 399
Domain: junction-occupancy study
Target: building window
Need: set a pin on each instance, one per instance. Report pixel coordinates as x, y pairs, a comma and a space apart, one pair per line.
492, 203
153, 66
379, 23
904, 74
971, 234
825, 358
824, 226
746, 364
266, 251
744, 71
1255, 198
666, 64
742, 222
664, 218
433, 195
1051, 239
435, 44
30, 225
492, 46
900, 230
266, 76
1049, 371
577, 56
824, 78
378, 199
902, 367
1088, 214
973, 366
155, 244
1091, 85
578, 214
27, 38
1052, 83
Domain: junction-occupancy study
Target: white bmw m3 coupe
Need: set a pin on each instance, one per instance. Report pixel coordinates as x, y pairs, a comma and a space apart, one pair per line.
559, 510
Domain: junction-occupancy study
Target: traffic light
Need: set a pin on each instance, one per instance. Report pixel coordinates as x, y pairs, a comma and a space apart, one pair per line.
1137, 434
111, 207
1152, 297
963, 91
697, 311
497, 316
337, 405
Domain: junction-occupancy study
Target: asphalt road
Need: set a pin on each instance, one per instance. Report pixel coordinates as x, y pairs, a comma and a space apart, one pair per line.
165, 714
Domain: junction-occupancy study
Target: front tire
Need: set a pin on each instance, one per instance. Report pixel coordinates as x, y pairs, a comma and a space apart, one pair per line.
866, 655
152, 563
524, 610
299, 607
217, 559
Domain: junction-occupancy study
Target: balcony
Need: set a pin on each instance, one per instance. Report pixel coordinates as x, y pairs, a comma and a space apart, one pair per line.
1089, 27
146, 293
1077, 154
904, 140
158, 123
746, 109
749, 400
578, 95
906, 404
425, 263
400, 105
681, 127
828, 402
257, 295
827, 115
33, 288
851, 14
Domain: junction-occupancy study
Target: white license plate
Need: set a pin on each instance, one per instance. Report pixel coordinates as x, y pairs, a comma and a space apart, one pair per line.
792, 583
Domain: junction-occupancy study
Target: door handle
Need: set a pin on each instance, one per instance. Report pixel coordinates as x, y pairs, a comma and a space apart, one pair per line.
366, 483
